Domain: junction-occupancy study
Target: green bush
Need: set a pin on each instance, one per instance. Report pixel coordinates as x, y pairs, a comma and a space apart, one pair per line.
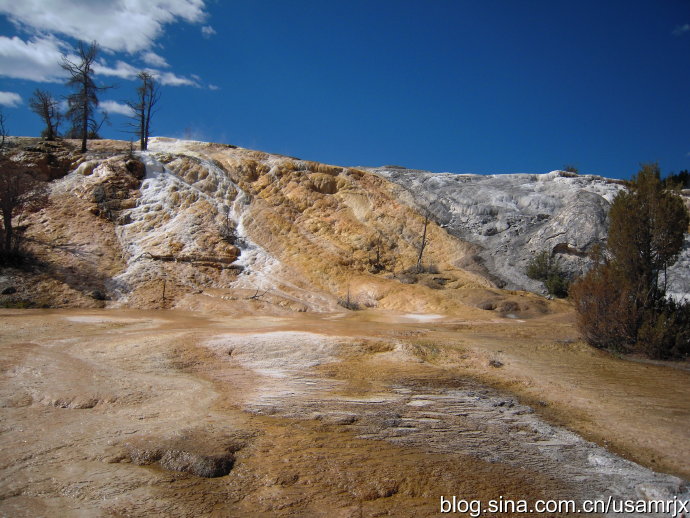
547, 269
665, 331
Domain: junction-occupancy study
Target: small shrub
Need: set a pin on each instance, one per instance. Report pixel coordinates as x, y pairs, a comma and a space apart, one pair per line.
545, 268
429, 268
538, 267
406, 277
420, 269
557, 285
349, 304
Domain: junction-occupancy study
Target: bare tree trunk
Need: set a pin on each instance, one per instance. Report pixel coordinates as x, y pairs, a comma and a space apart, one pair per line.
9, 231
142, 138
422, 245
85, 121
148, 94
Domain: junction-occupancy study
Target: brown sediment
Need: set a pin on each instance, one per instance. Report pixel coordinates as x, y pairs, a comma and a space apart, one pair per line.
366, 414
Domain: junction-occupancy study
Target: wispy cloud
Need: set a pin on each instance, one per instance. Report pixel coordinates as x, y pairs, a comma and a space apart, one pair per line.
170, 79
115, 107
213, 87
681, 29
154, 60
131, 27
10, 99
37, 59
124, 70
121, 69
207, 31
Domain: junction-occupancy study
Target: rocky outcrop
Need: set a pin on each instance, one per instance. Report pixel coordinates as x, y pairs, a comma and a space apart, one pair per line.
190, 221
511, 217
195, 223
44, 159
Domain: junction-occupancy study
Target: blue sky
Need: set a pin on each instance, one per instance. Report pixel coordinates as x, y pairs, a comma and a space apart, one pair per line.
458, 86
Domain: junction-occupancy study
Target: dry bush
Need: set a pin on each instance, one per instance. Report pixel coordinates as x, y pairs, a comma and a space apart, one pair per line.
606, 312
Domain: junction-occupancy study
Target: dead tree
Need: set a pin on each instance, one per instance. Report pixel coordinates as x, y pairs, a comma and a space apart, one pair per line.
148, 94
3, 129
18, 191
47, 108
423, 242
376, 262
258, 295
82, 104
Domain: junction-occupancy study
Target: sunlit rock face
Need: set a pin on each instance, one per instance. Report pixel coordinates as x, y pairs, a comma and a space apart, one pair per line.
194, 224
514, 216
187, 224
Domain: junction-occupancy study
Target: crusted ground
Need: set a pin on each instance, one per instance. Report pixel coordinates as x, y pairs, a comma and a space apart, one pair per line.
132, 413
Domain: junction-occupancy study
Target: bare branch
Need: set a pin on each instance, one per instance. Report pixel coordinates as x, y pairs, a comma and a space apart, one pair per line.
83, 102
46, 107
148, 95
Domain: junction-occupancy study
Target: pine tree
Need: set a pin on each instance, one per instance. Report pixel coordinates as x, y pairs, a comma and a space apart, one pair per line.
621, 302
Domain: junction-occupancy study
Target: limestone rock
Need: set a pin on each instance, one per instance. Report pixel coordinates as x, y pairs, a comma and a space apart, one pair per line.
513, 216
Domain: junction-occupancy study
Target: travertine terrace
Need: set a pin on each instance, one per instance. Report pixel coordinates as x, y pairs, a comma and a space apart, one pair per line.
181, 345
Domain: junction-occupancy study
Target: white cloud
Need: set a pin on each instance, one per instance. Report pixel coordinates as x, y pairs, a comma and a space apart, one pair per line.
10, 99
207, 31
122, 70
37, 59
129, 26
126, 25
115, 107
681, 29
170, 79
213, 87
154, 60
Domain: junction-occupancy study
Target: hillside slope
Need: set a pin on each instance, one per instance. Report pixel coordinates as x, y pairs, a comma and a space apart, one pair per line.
201, 226
512, 217
191, 224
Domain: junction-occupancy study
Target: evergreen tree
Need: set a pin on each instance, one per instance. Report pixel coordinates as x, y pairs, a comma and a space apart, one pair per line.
647, 224
621, 302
